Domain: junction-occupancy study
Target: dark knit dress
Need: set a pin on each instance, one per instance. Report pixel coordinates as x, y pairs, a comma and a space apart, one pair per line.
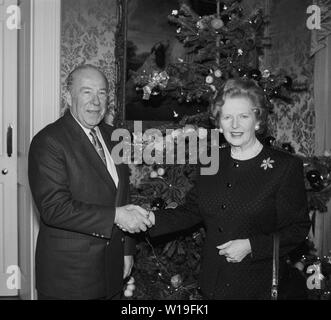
245, 199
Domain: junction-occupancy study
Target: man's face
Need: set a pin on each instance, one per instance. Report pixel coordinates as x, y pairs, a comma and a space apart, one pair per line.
88, 97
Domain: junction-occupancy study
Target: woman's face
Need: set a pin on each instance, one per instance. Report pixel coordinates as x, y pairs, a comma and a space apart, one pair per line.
238, 122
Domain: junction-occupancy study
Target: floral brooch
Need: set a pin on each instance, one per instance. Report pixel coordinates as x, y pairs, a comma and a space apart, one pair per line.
267, 163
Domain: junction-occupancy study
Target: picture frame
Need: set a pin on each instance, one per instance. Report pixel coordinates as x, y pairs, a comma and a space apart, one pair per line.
145, 35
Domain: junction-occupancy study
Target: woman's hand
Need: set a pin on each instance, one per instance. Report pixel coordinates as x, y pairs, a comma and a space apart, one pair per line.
235, 250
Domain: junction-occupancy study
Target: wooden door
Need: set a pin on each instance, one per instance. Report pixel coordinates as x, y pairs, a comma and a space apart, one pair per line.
9, 271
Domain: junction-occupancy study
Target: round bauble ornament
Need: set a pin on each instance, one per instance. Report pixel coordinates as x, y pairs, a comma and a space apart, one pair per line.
217, 23
160, 171
315, 179
176, 280
266, 73
153, 174
218, 73
209, 79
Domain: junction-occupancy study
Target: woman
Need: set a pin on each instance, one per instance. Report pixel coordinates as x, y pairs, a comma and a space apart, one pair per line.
257, 191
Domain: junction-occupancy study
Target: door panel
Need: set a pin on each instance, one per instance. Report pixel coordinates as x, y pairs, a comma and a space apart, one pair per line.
9, 275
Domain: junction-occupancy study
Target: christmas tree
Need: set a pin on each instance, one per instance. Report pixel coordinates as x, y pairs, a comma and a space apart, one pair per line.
218, 46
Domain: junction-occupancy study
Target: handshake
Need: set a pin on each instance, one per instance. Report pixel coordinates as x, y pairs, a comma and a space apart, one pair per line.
134, 219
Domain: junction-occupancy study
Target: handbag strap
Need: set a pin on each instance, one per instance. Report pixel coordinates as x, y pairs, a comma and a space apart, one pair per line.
275, 267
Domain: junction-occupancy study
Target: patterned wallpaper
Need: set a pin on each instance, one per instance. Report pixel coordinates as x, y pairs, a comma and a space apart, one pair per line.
289, 52
290, 40
88, 36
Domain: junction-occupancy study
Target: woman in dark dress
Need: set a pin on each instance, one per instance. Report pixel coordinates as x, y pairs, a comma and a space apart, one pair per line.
257, 192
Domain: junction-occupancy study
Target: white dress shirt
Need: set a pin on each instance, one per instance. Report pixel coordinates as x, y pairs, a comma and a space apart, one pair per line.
110, 163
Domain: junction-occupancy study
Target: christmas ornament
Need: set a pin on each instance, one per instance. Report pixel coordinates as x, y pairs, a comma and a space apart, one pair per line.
176, 281
299, 265
266, 73
315, 179
209, 79
153, 174
158, 80
218, 73
174, 12
240, 52
217, 23
172, 205
327, 153
160, 171
200, 25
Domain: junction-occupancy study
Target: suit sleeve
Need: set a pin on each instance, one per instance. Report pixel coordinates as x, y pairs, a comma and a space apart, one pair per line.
183, 217
50, 189
293, 221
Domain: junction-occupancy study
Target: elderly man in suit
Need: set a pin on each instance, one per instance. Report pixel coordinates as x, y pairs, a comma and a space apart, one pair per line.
82, 196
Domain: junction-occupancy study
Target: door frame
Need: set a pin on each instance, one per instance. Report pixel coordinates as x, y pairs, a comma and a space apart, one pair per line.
45, 84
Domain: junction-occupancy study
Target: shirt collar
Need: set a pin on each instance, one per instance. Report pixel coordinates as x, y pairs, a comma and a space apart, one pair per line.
86, 130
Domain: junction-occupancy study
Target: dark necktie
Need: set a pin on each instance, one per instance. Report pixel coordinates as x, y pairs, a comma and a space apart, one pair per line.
98, 147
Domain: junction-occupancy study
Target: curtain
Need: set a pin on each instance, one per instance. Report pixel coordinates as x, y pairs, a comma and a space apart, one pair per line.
321, 51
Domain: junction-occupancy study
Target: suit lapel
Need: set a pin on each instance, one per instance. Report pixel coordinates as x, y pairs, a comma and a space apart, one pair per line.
120, 168
82, 143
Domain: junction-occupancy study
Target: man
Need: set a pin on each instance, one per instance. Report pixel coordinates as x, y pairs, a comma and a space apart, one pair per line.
82, 197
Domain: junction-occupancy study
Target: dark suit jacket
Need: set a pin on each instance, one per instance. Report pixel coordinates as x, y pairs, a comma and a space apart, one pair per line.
79, 251
243, 200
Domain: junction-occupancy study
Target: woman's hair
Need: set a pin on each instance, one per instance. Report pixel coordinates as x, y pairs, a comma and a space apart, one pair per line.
244, 88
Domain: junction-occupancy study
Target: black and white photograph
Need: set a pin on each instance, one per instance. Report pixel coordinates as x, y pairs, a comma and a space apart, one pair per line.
165, 150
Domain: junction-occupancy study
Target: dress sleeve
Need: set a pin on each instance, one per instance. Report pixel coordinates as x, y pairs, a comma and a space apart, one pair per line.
293, 221
183, 217
130, 239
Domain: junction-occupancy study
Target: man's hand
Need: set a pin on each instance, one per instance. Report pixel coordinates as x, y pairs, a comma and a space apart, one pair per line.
132, 218
235, 250
128, 264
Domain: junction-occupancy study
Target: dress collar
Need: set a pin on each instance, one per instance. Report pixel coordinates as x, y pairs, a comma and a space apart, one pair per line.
249, 153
